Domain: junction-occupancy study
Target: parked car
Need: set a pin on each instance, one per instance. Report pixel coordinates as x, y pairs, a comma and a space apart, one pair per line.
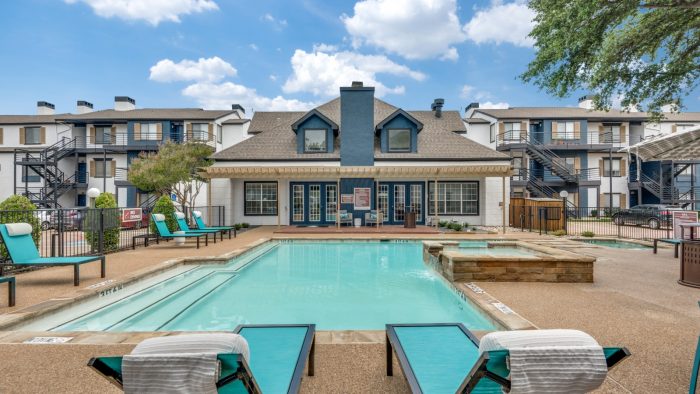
44, 219
71, 219
653, 215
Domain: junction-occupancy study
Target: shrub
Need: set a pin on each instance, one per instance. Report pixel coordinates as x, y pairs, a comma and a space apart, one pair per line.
455, 226
105, 205
559, 233
474, 229
19, 209
594, 212
245, 225
238, 226
588, 234
165, 207
443, 223
465, 224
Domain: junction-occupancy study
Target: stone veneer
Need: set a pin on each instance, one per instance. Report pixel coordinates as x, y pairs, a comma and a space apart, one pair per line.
547, 265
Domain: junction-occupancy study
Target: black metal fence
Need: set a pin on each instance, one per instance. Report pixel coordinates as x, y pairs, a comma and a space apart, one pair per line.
90, 231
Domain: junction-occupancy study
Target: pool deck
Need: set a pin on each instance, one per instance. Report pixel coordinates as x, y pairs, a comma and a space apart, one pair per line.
634, 301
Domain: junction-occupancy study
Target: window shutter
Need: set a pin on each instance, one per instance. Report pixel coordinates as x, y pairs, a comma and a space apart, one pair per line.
623, 200
577, 163
137, 131
113, 164
113, 135
211, 131
92, 135
623, 167
501, 131
92, 168
555, 130
601, 167
42, 135
601, 133
159, 131
189, 132
21, 136
603, 202
575, 199
623, 133
577, 130
523, 129
2, 136
673, 128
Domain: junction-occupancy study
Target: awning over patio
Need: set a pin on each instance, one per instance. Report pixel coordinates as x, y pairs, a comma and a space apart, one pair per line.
683, 145
490, 170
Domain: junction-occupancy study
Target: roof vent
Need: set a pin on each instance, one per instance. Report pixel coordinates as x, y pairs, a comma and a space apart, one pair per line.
357, 84
436, 107
45, 108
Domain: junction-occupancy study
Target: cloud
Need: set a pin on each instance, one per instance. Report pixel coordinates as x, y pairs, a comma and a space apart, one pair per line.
222, 95
466, 92
278, 24
151, 11
322, 73
502, 23
488, 104
254, 47
209, 69
414, 29
325, 48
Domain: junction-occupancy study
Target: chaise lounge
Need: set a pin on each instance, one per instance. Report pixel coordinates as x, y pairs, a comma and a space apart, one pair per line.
164, 232
448, 358
23, 252
269, 359
182, 224
202, 226
10, 280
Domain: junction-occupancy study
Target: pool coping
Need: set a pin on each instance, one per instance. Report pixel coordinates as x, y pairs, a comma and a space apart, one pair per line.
642, 242
491, 307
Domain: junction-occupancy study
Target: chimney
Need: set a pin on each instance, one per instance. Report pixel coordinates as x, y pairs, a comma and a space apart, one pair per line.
83, 107
670, 107
240, 111
124, 103
45, 108
436, 107
357, 125
586, 102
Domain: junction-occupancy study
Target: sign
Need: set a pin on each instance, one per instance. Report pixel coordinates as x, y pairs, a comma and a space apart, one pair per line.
363, 198
680, 217
131, 215
347, 199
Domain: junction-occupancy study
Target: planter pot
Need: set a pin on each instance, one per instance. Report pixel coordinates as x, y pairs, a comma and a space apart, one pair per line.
179, 240
358, 222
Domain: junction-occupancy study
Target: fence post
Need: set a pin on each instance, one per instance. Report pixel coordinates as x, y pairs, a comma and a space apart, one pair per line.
100, 236
619, 228
222, 220
53, 244
59, 230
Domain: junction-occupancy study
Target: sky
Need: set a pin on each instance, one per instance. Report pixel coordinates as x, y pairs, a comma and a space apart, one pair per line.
266, 55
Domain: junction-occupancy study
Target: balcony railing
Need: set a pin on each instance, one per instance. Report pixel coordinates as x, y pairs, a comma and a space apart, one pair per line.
127, 139
524, 174
561, 138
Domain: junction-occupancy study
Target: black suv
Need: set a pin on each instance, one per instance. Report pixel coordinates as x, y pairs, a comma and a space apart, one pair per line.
653, 215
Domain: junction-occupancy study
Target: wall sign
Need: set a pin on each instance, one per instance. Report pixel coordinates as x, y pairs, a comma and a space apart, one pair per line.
347, 199
680, 217
363, 198
131, 215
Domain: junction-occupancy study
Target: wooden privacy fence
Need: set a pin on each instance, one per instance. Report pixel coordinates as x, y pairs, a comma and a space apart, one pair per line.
544, 214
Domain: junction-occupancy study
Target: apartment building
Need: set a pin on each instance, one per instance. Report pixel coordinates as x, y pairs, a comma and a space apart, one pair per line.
577, 149
55, 158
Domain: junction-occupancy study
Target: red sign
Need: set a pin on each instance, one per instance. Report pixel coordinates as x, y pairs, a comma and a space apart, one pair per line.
131, 214
682, 217
363, 198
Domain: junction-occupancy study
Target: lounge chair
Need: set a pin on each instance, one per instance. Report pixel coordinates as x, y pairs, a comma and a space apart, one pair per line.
445, 358
201, 225
23, 252
373, 217
675, 242
163, 231
345, 217
278, 355
10, 280
696, 371
182, 223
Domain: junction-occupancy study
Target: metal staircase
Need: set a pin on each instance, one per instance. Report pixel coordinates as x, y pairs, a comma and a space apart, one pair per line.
45, 164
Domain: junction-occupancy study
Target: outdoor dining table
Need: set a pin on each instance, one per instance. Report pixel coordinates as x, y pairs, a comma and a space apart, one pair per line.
691, 226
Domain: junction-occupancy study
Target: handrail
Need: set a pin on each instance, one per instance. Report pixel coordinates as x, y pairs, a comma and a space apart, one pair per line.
562, 138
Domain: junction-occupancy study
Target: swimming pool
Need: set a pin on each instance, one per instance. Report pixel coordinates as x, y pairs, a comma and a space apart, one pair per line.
611, 243
336, 285
490, 249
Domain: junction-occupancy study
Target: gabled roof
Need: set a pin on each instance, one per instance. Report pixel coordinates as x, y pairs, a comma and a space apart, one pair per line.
312, 113
396, 113
580, 113
148, 114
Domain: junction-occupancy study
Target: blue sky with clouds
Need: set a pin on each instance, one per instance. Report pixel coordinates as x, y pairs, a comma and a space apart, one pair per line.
265, 54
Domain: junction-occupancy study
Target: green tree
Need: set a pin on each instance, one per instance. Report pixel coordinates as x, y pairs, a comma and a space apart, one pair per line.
19, 209
106, 210
173, 169
646, 52
165, 207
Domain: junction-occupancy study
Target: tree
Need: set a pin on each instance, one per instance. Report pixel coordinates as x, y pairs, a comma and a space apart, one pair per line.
106, 211
19, 209
645, 52
173, 169
165, 207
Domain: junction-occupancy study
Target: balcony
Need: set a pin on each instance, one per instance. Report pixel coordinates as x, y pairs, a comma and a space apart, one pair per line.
126, 141
517, 139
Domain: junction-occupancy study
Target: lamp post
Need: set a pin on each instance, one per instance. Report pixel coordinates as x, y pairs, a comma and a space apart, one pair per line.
92, 194
564, 194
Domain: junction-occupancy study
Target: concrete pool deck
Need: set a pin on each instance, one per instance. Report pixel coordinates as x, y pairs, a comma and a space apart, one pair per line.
634, 302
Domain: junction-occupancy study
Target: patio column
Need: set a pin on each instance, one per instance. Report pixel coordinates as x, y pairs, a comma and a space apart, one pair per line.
278, 203
337, 204
435, 204
376, 201
503, 212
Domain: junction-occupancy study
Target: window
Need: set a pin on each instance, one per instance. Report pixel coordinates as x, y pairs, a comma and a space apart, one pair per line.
315, 140
518, 173
615, 167
149, 131
103, 168
331, 199
492, 132
261, 199
399, 140
314, 203
399, 202
512, 131
200, 132
103, 135
454, 198
219, 134
29, 175
611, 134
417, 201
298, 203
605, 200
32, 135
384, 201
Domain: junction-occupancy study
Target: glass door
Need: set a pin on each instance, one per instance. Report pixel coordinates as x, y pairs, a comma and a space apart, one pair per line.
314, 203
399, 202
384, 201
331, 201
416, 201
298, 203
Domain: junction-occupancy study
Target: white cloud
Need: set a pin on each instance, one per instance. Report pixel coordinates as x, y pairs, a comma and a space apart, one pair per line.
273, 77
209, 69
502, 23
488, 104
222, 95
466, 92
277, 23
151, 11
325, 48
254, 47
322, 73
414, 29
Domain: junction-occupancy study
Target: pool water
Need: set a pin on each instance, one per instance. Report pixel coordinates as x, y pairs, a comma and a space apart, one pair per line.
615, 244
481, 248
337, 285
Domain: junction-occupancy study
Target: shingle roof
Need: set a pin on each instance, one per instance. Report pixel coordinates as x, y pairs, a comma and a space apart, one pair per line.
29, 119
236, 121
437, 141
149, 114
575, 113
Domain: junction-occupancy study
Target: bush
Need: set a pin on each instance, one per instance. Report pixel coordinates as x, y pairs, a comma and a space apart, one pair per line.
165, 207
455, 226
443, 223
105, 205
594, 212
589, 234
19, 209
245, 225
559, 233
238, 226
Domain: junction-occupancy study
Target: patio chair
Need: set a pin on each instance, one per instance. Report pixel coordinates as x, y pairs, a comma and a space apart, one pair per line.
446, 358
675, 242
345, 217
23, 252
10, 280
163, 231
373, 218
201, 225
182, 224
278, 356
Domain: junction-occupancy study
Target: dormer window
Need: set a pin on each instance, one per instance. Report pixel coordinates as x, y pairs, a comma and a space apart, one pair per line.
399, 140
315, 140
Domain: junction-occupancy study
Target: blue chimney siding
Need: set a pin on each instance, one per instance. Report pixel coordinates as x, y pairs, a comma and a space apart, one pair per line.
399, 122
357, 126
314, 122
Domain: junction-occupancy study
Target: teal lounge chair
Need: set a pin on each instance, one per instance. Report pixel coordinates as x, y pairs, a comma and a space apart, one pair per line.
10, 280
444, 358
23, 251
182, 224
696, 371
163, 231
202, 226
278, 355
